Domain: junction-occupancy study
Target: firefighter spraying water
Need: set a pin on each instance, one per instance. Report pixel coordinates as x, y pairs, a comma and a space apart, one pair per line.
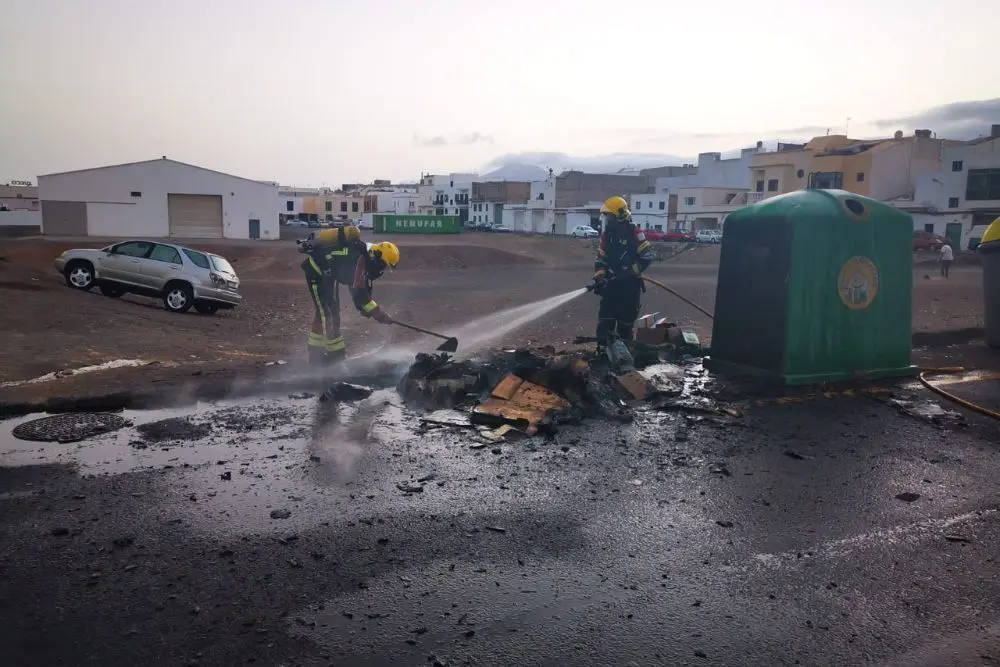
623, 253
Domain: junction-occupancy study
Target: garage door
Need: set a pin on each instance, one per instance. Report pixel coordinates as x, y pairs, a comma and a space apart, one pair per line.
195, 216
64, 218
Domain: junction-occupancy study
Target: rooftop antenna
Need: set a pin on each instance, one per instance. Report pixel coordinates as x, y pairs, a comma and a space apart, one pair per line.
847, 126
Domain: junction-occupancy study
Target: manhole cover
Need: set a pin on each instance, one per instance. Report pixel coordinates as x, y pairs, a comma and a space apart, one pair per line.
71, 427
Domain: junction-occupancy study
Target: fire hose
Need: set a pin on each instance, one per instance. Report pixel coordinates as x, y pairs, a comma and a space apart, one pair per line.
952, 397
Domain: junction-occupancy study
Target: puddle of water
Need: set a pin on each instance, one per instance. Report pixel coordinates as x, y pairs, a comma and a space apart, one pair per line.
108, 365
125, 450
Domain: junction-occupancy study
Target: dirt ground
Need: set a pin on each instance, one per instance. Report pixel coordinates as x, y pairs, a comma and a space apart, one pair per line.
442, 282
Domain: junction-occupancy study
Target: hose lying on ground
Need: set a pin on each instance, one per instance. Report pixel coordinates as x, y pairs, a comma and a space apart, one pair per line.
923, 371
952, 397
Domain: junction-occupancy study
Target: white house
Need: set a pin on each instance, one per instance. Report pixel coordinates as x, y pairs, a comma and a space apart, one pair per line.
650, 211
448, 194
157, 199
707, 207
702, 200
397, 202
531, 218
964, 194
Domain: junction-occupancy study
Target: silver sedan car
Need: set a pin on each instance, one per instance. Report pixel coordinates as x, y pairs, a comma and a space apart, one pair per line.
182, 277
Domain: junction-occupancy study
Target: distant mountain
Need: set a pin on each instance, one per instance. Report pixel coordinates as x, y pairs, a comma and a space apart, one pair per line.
517, 171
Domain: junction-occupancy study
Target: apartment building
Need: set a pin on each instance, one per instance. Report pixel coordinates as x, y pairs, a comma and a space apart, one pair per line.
446, 194
698, 200
291, 202
883, 169
490, 197
557, 204
963, 193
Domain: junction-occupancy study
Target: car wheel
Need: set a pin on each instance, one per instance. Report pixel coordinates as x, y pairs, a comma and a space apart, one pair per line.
112, 291
206, 308
79, 274
178, 297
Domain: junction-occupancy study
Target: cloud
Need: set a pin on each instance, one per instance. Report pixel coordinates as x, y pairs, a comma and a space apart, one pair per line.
958, 120
608, 163
462, 140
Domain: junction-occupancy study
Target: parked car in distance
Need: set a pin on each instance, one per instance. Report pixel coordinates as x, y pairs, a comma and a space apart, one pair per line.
499, 228
976, 236
296, 223
679, 236
181, 277
708, 236
654, 235
584, 232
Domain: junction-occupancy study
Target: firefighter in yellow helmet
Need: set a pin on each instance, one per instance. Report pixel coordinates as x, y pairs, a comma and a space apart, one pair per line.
623, 253
336, 257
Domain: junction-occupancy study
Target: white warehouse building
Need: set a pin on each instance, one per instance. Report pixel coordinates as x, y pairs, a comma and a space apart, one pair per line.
157, 199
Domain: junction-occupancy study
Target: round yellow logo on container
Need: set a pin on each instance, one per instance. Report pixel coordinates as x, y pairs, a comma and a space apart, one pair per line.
858, 283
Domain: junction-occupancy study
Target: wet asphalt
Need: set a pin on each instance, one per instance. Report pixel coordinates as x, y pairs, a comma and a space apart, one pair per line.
835, 530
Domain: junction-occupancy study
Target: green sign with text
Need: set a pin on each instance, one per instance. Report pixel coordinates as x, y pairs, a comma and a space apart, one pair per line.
416, 224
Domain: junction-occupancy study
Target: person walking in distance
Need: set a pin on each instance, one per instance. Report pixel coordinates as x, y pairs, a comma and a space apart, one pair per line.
623, 253
947, 257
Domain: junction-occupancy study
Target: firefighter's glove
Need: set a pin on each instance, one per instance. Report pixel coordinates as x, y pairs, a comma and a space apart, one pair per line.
381, 316
599, 285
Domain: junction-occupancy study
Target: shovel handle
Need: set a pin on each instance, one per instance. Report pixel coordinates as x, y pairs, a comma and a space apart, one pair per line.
423, 331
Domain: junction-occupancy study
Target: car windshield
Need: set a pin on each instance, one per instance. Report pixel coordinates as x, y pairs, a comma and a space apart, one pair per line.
220, 264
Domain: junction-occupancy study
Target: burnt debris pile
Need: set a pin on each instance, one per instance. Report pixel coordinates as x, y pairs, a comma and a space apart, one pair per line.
536, 390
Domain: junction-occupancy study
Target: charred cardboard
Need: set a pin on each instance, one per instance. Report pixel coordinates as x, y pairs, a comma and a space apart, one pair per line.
520, 403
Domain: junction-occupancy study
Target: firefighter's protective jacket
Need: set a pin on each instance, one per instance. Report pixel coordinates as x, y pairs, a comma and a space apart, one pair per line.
622, 251
345, 262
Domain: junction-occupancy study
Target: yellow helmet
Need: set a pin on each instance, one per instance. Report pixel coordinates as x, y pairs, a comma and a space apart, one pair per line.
617, 208
387, 251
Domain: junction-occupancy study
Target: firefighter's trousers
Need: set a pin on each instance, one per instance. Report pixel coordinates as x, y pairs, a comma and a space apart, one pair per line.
324, 334
619, 309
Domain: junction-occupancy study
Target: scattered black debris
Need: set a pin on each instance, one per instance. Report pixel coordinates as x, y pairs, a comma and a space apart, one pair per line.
958, 538
59, 531
226, 476
795, 455
725, 524
123, 541
174, 428
496, 529
346, 392
280, 514
410, 487
907, 497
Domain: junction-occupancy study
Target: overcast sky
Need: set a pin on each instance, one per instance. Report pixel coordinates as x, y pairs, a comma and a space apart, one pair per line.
313, 92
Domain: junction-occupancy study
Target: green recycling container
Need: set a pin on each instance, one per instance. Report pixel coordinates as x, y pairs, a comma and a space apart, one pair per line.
416, 224
989, 248
815, 286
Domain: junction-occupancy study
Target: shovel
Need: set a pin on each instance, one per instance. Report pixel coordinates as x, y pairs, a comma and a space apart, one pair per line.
450, 343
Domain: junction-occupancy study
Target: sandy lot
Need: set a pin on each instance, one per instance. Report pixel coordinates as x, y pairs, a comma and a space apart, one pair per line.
442, 282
